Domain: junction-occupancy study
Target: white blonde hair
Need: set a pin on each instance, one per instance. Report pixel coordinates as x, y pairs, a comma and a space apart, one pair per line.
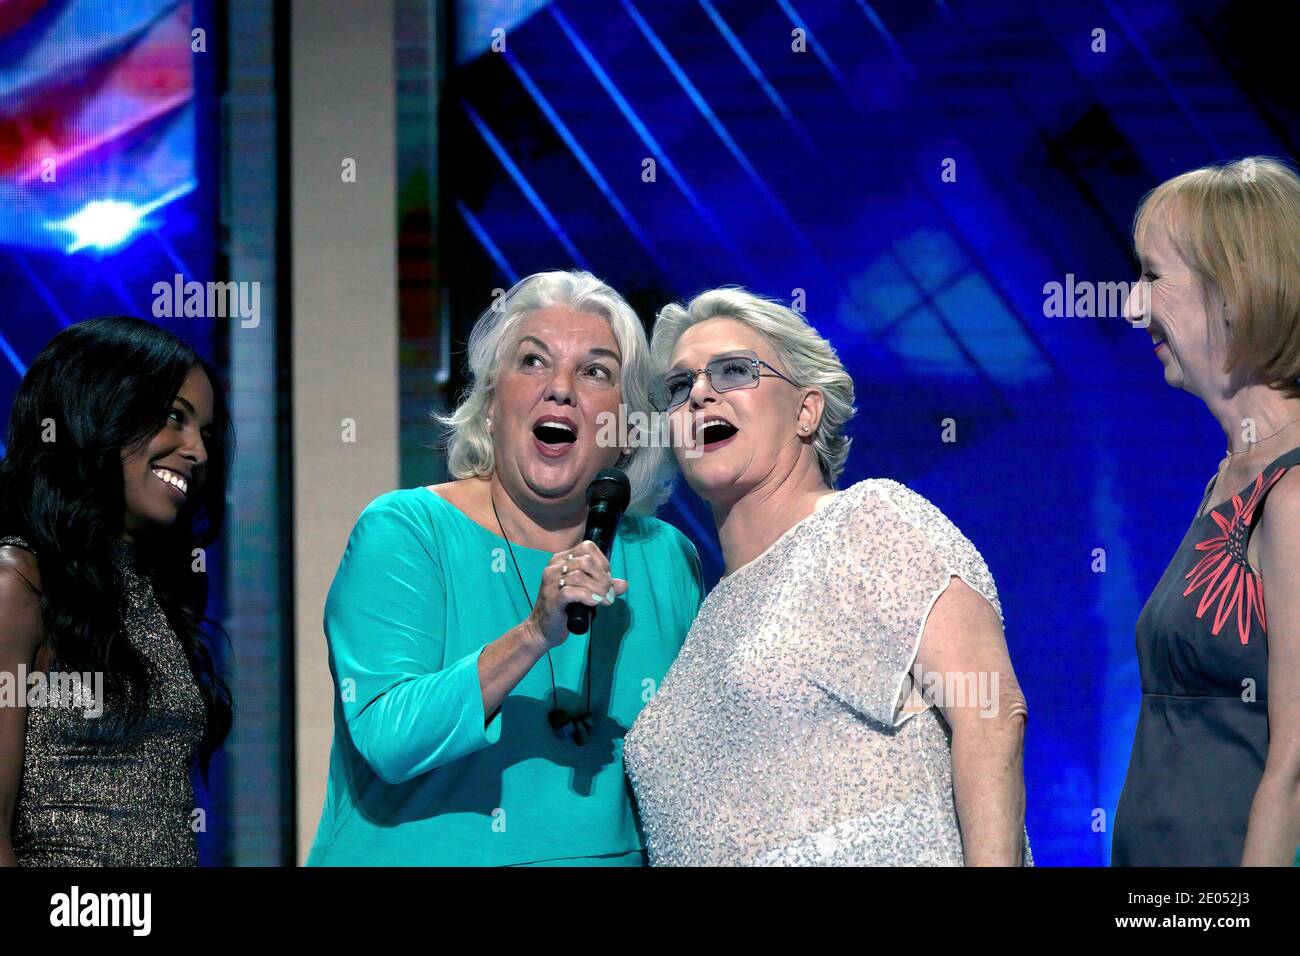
808, 359
468, 441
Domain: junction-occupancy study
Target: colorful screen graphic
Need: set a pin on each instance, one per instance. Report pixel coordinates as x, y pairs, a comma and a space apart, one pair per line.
108, 186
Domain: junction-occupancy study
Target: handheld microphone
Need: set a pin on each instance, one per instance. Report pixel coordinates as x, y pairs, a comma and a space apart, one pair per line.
608, 496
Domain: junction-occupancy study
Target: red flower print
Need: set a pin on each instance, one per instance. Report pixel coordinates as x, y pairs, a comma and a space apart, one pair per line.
1224, 571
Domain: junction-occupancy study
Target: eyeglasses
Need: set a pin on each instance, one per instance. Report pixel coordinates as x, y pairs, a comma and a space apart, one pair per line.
739, 370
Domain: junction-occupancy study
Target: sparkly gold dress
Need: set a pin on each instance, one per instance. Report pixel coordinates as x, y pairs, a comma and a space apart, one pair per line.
88, 799
789, 730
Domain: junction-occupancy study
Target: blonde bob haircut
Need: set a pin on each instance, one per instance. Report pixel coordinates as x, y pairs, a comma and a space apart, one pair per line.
806, 357
1237, 226
469, 443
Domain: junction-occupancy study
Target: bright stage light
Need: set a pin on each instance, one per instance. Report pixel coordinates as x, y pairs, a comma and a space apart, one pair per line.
105, 224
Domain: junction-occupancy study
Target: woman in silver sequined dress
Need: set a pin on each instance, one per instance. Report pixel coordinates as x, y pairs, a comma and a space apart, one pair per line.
845, 696
113, 479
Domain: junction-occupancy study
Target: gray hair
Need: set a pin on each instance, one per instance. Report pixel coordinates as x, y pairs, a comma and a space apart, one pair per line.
809, 360
469, 443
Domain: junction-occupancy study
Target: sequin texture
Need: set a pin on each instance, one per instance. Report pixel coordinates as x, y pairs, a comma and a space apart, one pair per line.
88, 799
789, 730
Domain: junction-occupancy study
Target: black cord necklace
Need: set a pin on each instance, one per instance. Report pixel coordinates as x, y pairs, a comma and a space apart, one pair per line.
563, 724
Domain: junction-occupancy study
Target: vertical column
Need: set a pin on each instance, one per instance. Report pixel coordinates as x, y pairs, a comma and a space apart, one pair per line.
345, 375
260, 747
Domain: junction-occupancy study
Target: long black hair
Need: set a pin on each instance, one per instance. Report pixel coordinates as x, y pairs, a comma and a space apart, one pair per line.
100, 390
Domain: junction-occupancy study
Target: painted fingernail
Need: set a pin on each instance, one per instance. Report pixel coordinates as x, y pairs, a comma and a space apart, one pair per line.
609, 596
595, 596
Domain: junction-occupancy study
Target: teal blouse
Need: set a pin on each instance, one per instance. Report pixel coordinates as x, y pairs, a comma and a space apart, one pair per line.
415, 776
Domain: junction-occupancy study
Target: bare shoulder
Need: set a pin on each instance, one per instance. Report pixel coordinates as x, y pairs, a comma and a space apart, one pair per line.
1280, 523
18, 565
1286, 491
20, 598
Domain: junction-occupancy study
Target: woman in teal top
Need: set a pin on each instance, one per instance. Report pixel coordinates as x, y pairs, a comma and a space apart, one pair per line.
446, 621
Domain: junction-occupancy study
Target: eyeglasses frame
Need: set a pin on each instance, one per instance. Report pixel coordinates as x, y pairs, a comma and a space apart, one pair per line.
754, 361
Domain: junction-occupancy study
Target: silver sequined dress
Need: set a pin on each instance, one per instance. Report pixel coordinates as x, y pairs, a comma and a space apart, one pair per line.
790, 731
88, 800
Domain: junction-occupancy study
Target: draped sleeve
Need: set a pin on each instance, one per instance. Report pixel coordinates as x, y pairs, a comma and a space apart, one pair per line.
899, 553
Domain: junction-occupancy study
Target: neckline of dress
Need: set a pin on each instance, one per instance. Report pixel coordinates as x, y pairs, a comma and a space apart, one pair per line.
485, 530
1206, 511
823, 505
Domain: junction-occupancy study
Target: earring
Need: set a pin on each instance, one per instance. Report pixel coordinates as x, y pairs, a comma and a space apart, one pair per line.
803, 428
489, 423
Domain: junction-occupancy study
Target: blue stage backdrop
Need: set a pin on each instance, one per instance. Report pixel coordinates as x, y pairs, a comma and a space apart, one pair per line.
108, 145
915, 175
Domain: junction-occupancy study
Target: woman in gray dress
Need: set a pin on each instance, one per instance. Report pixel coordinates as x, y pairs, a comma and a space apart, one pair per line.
845, 696
112, 484
1214, 776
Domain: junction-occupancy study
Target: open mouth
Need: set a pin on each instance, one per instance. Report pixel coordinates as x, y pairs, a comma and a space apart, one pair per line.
554, 436
714, 432
1157, 333
172, 479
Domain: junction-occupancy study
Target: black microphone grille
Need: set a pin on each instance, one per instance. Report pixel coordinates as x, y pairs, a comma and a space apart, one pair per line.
610, 486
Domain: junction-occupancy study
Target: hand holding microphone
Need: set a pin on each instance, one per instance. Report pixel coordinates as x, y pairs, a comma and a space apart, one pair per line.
608, 496
576, 582
587, 584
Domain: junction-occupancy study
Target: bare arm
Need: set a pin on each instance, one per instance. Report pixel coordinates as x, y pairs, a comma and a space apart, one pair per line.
963, 636
1273, 830
20, 636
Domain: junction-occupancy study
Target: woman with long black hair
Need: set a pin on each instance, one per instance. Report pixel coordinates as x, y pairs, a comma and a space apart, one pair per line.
111, 489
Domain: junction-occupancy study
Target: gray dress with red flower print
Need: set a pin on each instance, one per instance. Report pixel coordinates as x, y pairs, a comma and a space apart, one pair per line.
1202, 733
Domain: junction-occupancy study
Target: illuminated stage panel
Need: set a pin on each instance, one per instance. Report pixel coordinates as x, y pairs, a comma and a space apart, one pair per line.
97, 129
